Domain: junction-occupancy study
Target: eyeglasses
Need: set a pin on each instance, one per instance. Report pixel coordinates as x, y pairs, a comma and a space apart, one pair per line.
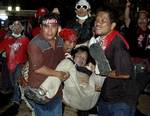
81, 6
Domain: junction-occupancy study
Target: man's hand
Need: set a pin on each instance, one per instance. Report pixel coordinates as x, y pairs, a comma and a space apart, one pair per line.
128, 4
62, 75
119, 75
98, 88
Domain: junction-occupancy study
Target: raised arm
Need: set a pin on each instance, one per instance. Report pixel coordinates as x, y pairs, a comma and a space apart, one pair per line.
127, 13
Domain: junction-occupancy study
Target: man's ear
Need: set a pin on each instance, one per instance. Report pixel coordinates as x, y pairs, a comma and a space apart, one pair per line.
113, 25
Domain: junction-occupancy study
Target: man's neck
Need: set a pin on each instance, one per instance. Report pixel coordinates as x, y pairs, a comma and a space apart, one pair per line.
52, 43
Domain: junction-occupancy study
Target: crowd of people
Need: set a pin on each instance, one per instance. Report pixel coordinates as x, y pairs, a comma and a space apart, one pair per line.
89, 62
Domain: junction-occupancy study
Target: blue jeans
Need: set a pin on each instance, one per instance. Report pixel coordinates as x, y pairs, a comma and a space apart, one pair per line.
115, 109
14, 82
52, 108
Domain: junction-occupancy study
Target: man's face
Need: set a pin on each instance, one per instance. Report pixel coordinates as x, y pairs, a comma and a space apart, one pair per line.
49, 31
142, 21
82, 10
17, 27
69, 45
81, 58
103, 24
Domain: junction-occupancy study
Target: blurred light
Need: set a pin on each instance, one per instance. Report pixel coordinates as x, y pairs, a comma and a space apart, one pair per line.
2, 22
3, 16
17, 8
9, 8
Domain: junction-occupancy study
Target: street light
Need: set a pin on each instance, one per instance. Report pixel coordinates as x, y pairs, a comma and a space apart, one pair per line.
17, 8
13, 10
9, 8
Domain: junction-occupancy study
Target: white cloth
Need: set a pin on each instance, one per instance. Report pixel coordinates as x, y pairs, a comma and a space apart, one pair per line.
93, 40
51, 84
81, 96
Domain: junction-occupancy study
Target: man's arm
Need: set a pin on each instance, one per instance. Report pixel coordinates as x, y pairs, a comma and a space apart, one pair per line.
36, 60
127, 14
122, 60
50, 72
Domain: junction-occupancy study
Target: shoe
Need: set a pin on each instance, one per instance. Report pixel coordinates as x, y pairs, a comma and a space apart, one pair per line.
99, 56
37, 95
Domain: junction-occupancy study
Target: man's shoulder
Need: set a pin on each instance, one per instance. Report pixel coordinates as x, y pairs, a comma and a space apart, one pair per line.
60, 41
40, 42
43, 44
117, 42
35, 40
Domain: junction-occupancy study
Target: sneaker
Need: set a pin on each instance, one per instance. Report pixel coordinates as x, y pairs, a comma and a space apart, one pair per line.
99, 56
37, 95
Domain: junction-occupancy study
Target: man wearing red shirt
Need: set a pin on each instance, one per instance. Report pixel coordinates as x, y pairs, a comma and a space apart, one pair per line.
15, 45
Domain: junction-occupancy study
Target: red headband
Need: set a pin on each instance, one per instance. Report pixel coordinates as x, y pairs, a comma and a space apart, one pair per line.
68, 34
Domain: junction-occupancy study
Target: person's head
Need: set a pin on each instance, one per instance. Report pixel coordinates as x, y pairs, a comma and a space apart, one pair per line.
81, 55
143, 19
49, 26
16, 28
82, 9
41, 12
56, 10
69, 37
105, 22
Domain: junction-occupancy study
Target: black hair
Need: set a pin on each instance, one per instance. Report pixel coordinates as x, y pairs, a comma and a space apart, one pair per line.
113, 14
49, 16
83, 49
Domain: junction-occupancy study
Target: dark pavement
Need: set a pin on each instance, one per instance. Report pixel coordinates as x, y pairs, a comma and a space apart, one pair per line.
23, 110
8, 109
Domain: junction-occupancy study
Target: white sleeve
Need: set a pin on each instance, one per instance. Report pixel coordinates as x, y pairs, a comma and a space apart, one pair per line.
92, 41
98, 80
65, 65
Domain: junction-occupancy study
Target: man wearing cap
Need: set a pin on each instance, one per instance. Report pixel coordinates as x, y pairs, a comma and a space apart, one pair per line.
45, 52
83, 21
39, 12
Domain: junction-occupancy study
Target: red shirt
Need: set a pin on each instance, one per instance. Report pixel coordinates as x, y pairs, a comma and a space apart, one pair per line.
19, 53
2, 34
36, 31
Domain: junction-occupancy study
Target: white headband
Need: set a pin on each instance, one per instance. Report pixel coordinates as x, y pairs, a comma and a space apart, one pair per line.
83, 2
49, 21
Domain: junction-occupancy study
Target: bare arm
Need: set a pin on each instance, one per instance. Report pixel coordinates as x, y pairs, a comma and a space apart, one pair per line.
127, 14
50, 72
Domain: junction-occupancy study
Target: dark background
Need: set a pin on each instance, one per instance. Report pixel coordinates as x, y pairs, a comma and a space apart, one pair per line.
34, 4
66, 7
